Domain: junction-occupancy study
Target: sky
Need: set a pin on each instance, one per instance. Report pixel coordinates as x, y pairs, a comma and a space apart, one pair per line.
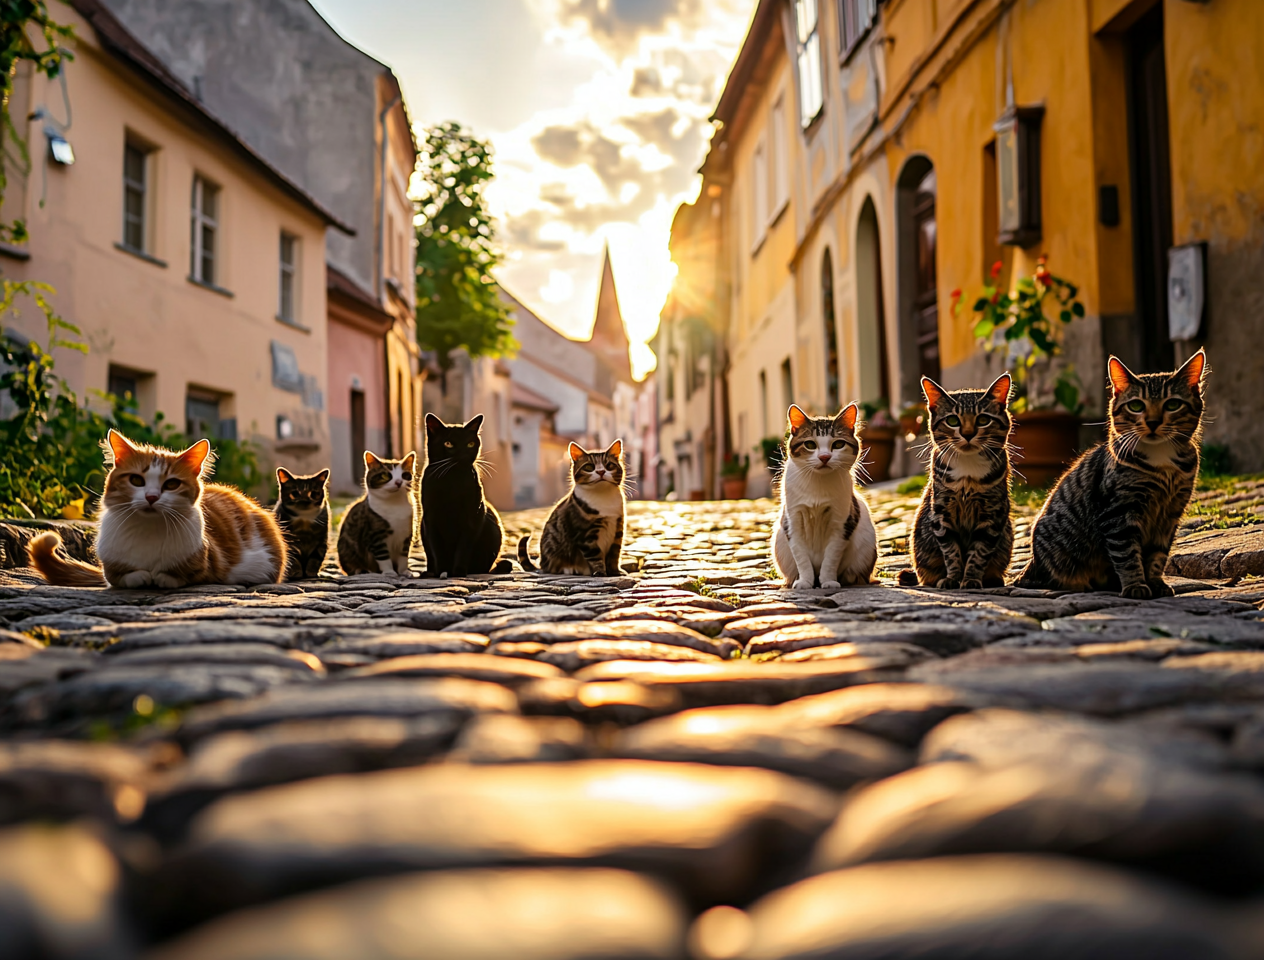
597, 111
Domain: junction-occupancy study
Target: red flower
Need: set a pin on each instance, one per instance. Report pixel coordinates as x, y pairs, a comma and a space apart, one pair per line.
996, 296
996, 269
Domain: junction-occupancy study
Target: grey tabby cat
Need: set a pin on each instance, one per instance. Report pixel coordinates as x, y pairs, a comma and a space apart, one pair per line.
963, 536
1110, 522
377, 531
584, 533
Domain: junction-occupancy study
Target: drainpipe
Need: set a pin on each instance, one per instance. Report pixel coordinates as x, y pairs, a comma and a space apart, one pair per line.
381, 271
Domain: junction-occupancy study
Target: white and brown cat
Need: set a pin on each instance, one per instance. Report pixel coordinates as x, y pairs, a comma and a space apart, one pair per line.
824, 536
162, 525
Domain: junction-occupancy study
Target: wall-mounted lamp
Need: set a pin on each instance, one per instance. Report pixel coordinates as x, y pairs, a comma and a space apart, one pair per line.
284, 427
59, 147
1018, 175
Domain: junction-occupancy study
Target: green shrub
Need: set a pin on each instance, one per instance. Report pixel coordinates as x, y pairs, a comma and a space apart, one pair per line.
52, 441
913, 484
1216, 460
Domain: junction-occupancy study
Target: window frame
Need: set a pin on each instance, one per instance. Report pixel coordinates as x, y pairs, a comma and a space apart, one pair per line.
760, 201
854, 25
141, 189
199, 222
779, 161
288, 272
808, 64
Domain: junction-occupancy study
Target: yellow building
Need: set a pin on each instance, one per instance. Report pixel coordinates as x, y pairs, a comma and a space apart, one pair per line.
195, 270
1142, 123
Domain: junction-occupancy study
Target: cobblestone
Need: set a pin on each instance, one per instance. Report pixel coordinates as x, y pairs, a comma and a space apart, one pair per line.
232, 765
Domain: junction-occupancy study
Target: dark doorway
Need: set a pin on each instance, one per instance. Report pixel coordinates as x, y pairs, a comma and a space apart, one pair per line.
357, 435
871, 329
1151, 186
832, 402
916, 276
926, 296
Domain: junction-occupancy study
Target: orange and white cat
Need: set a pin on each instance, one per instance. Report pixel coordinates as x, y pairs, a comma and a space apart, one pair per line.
162, 526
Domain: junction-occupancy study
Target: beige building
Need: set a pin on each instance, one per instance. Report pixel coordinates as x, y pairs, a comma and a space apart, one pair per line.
195, 270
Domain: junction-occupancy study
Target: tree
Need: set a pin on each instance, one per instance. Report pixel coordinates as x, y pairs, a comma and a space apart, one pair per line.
458, 304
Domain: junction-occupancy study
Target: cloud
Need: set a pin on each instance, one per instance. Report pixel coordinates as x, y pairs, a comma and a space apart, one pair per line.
617, 25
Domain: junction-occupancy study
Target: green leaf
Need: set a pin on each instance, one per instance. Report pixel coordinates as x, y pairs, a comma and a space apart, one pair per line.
984, 328
1067, 395
1065, 316
981, 304
1077, 308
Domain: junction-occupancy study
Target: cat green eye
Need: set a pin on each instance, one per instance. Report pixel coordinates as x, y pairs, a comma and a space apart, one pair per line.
1173, 404
982, 419
447, 443
810, 444
406, 475
137, 480
838, 444
171, 484
1135, 406
470, 444
953, 421
585, 468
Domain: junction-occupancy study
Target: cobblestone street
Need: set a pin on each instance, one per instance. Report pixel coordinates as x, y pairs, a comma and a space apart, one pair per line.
551, 767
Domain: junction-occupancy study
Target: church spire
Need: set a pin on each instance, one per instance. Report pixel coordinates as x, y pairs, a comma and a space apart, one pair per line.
610, 336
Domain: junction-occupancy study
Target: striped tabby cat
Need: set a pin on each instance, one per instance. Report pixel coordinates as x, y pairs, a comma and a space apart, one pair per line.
302, 512
584, 533
1110, 521
963, 536
823, 533
377, 530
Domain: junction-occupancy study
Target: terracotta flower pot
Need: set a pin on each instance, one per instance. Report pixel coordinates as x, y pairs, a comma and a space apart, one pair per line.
734, 488
877, 449
697, 494
1048, 441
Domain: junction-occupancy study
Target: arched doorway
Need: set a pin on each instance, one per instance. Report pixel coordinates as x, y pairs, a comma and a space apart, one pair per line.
832, 402
872, 359
919, 300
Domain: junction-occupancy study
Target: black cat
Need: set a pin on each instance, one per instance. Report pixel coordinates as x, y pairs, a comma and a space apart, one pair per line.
460, 530
302, 512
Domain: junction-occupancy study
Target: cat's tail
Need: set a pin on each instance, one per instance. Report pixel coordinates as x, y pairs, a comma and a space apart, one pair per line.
57, 568
908, 578
524, 558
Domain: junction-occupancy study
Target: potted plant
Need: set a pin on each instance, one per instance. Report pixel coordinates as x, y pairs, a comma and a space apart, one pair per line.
733, 476
913, 421
770, 449
1047, 392
877, 438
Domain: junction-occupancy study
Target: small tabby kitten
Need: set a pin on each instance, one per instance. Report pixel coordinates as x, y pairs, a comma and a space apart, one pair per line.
823, 532
1110, 521
460, 530
377, 531
584, 533
963, 536
163, 525
302, 511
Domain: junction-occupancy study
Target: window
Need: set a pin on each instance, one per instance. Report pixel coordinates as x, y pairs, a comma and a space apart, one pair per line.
809, 60
205, 228
759, 184
780, 158
202, 417
763, 402
855, 17
289, 260
787, 384
135, 162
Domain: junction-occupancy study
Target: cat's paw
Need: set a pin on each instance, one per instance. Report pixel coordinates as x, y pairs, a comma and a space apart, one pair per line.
167, 581
1159, 588
831, 585
971, 584
948, 583
803, 584
137, 578
1136, 591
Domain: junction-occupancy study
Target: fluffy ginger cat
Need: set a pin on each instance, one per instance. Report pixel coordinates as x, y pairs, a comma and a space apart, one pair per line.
162, 526
823, 533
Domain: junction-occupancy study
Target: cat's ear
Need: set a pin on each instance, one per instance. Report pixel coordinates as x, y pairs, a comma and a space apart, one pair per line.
194, 459
1121, 378
1192, 370
576, 451
796, 417
474, 424
615, 449
847, 416
433, 423
933, 392
999, 391
370, 460
322, 477
283, 475
410, 460
120, 446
